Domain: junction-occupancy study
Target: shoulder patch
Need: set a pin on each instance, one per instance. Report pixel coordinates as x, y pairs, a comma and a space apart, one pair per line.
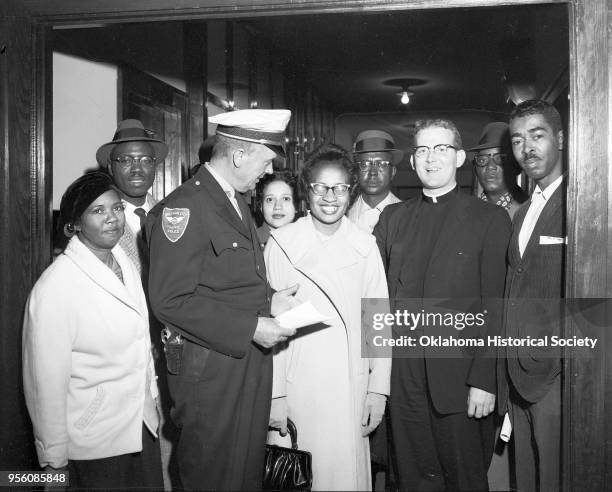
174, 222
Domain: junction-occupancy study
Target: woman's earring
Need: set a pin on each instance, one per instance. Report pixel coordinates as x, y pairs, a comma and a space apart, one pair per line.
69, 229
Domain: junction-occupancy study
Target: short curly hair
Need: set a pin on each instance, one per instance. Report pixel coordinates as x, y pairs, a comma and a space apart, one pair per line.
538, 106
327, 153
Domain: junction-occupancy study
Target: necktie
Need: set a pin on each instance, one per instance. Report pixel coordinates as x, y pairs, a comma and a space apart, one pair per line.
531, 217
142, 215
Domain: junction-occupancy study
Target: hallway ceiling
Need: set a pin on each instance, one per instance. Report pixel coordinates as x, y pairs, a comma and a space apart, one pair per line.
462, 55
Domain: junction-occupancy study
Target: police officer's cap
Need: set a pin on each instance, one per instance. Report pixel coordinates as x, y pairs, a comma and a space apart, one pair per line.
262, 126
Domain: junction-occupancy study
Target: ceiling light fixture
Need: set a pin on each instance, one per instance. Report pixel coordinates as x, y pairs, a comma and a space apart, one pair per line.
405, 95
404, 84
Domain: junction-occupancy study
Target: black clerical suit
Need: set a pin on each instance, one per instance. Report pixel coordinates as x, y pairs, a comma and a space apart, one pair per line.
454, 249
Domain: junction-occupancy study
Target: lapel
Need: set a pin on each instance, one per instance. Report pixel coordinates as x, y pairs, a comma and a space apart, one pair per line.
405, 225
514, 255
103, 276
452, 226
304, 249
246, 218
545, 220
222, 204
129, 244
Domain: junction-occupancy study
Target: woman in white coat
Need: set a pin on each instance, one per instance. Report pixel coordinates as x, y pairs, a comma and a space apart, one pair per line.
88, 372
322, 383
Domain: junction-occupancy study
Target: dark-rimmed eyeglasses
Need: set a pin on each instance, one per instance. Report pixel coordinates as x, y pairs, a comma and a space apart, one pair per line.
376, 165
481, 160
321, 189
127, 161
423, 151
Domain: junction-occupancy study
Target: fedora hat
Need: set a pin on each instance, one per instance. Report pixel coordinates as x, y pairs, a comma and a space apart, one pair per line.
493, 135
131, 131
377, 141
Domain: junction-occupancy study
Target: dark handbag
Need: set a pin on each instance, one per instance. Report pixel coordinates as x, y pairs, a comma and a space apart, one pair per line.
287, 468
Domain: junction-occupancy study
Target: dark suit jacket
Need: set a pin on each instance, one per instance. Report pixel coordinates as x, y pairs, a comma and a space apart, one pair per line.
468, 263
537, 275
210, 285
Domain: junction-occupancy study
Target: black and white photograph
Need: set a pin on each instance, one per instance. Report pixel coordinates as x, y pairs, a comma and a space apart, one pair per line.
356, 245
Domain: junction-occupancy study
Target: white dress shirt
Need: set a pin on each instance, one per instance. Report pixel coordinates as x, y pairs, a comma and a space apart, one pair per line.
131, 218
227, 188
539, 198
367, 217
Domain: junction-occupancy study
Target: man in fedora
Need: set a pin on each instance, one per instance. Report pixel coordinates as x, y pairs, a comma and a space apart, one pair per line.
131, 159
208, 285
375, 153
496, 168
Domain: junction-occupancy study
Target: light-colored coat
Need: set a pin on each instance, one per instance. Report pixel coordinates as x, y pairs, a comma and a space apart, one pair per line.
321, 371
86, 353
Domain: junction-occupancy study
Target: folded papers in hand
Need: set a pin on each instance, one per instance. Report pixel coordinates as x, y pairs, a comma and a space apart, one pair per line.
303, 315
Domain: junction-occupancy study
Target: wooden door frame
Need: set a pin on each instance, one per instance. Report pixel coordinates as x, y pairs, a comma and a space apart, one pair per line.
589, 252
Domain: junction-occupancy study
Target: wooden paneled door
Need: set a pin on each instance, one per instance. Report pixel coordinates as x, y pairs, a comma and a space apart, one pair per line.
162, 108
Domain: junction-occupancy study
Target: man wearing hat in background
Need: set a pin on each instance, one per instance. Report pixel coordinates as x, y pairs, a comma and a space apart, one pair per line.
375, 153
208, 285
496, 168
131, 159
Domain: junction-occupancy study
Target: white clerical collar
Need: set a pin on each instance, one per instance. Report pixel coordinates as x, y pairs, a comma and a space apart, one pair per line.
433, 195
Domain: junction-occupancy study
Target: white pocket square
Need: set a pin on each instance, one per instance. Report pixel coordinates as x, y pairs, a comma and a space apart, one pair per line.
553, 240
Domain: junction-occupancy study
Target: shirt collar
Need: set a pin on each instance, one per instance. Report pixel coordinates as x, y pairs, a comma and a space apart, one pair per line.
550, 189
227, 188
442, 198
146, 206
388, 200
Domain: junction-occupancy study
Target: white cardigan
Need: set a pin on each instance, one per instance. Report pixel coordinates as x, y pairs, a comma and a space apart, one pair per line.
86, 353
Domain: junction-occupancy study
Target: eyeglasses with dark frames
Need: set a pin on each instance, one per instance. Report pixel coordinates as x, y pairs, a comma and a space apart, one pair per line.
127, 161
482, 160
423, 151
377, 165
321, 189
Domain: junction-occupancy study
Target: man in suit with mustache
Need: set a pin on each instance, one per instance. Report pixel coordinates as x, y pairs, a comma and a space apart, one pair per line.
530, 377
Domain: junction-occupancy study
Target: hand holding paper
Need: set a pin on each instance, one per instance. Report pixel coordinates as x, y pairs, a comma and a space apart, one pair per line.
303, 315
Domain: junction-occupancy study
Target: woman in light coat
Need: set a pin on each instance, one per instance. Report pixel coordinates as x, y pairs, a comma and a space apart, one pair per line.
88, 372
335, 396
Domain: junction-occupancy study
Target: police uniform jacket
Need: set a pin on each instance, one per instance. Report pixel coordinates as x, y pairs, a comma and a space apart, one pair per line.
207, 281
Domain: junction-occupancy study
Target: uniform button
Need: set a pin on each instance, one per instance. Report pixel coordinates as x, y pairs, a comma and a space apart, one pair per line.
234, 245
257, 267
268, 298
519, 269
197, 183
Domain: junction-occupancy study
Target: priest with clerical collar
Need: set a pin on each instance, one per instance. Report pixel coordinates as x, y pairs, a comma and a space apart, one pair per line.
496, 168
444, 244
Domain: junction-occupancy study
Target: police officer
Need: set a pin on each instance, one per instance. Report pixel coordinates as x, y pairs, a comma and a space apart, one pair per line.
208, 286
